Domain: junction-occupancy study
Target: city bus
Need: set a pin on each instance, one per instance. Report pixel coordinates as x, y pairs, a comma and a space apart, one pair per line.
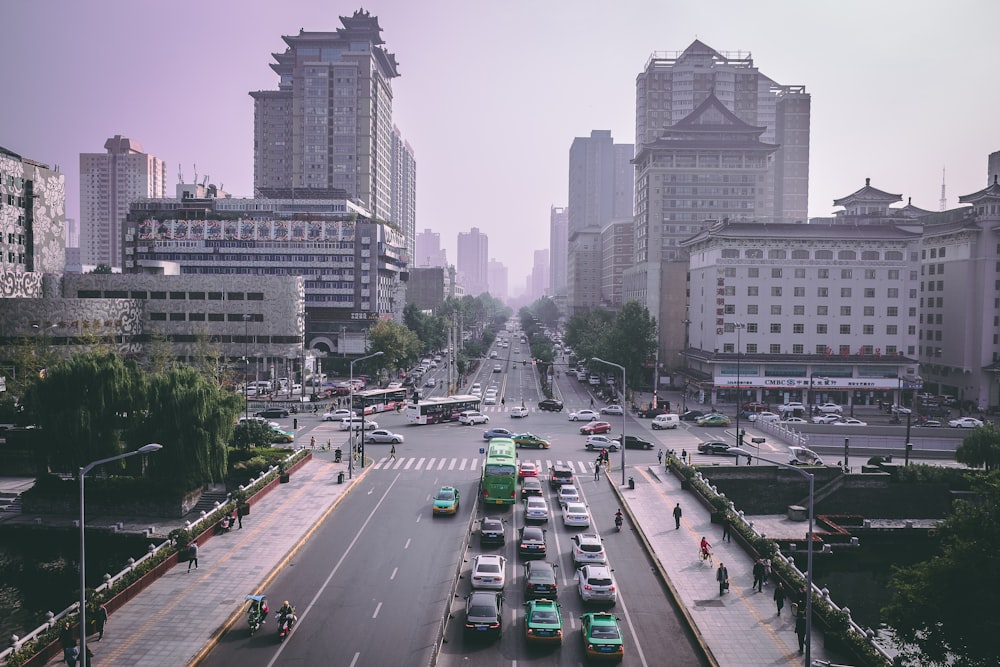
438, 410
378, 400
498, 485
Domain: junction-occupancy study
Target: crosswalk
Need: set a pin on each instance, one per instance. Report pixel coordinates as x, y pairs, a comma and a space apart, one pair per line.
473, 464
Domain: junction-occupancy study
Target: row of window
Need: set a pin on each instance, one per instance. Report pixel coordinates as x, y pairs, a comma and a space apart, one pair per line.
823, 292
206, 317
822, 254
842, 350
822, 311
844, 329
174, 296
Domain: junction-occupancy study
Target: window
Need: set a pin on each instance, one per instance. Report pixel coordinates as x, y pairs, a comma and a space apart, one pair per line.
196, 296
893, 274
800, 254
847, 255
823, 274
845, 311
751, 348
868, 330
776, 254
844, 350
255, 296
752, 290
775, 273
821, 349
822, 292
730, 272
775, 328
753, 272
215, 296
799, 291
176, 317
774, 348
892, 311
776, 290
751, 327
196, 317
893, 293
729, 290
869, 292
845, 292
845, 329
798, 328
752, 309
869, 311
824, 254
845, 273
891, 330
822, 310
217, 317
869, 256
139, 294
798, 310
800, 273
798, 349
157, 295
776, 309
730, 309
821, 328
158, 317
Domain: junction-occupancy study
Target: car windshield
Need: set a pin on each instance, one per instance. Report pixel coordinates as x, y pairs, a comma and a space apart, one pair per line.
604, 632
591, 548
480, 611
445, 495
545, 616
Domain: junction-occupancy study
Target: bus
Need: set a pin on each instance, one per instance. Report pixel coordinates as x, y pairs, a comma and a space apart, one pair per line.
378, 400
498, 485
439, 410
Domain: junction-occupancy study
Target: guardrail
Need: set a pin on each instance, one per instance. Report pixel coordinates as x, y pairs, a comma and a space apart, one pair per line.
783, 431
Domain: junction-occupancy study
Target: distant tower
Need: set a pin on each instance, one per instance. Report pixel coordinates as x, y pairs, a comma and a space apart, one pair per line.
944, 199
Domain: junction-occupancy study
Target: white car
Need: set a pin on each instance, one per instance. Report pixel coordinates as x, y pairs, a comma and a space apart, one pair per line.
430, 382
827, 419
764, 417
588, 548
338, 415
613, 409
900, 410
536, 509
830, 408
497, 368
576, 514
601, 442
471, 417
583, 415
490, 399
851, 421
394, 385
488, 571
596, 584
567, 493
792, 407
381, 435
476, 387
356, 422
518, 411
965, 422
794, 420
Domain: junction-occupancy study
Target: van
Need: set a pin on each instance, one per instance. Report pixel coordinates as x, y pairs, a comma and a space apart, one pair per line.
665, 421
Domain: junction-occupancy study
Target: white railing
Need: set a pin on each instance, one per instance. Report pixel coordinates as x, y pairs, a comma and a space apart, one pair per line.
784, 432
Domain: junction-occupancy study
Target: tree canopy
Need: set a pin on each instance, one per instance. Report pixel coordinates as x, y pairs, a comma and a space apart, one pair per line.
627, 338
981, 448
398, 344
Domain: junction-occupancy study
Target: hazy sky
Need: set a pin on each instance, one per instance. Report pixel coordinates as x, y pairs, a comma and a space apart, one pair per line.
491, 94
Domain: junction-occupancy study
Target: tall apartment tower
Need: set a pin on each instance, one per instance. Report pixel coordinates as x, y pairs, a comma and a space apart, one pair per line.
558, 248
329, 124
601, 187
428, 251
499, 280
109, 181
473, 259
404, 190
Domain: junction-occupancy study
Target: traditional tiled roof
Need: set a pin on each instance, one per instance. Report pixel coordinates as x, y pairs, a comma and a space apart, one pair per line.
990, 192
867, 194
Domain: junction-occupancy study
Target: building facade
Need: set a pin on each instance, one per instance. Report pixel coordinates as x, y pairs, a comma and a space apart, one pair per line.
109, 182
617, 254
404, 191
472, 262
558, 248
428, 251
499, 280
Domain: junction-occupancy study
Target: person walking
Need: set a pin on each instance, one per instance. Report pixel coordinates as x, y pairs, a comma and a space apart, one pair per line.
192, 556
727, 525
758, 575
392, 452
779, 597
597, 470
239, 515
684, 456
722, 576
100, 620
677, 516
659, 456
312, 442
68, 644
800, 629
767, 570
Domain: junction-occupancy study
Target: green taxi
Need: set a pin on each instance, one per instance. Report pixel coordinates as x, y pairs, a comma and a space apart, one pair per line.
602, 637
542, 622
446, 501
531, 440
279, 436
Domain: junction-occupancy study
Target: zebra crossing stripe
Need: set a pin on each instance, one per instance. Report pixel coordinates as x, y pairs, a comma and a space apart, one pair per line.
420, 462
470, 464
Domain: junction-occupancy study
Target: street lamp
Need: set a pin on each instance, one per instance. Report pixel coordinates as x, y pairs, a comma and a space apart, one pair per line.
145, 449
809, 551
351, 408
739, 326
624, 412
684, 397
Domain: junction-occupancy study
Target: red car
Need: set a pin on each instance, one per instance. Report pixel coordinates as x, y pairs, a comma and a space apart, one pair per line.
527, 469
595, 427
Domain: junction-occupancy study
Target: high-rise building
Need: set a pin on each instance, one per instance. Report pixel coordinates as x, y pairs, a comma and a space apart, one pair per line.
329, 124
538, 281
473, 258
558, 247
109, 182
428, 252
617, 255
497, 275
404, 190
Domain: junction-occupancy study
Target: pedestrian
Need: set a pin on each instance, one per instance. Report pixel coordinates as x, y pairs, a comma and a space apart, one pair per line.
597, 470
758, 575
392, 452
100, 619
312, 442
684, 456
659, 456
800, 629
238, 513
767, 570
727, 525
192, 556
779, 597
502, 401
68, 644
722, 576
677, 516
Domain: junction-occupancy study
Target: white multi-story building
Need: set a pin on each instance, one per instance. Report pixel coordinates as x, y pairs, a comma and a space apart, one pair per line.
404, 191
109, 182
473, 259
617, 254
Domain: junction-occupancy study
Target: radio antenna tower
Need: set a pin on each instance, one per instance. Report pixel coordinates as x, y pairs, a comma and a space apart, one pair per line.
944, 199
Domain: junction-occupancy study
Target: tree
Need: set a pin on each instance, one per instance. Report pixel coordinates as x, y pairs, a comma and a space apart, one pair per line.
397, 343
631, 342
981, 448
941, 610
102, 269
252, 433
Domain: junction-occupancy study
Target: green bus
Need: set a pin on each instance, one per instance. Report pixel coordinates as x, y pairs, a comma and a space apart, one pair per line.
498, 485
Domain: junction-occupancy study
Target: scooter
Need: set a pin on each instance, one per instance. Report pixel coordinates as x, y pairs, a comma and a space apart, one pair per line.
257, 612
618, 522
285, 623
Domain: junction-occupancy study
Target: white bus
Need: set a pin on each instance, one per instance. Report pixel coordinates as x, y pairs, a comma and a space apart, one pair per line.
439, 410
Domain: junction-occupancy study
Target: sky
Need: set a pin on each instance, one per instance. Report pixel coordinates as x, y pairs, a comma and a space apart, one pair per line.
491, 93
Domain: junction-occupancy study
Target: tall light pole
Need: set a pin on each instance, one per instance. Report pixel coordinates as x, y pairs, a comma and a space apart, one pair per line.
809, 551
739, 326
624, 412
687, 341
351, 408
145, 449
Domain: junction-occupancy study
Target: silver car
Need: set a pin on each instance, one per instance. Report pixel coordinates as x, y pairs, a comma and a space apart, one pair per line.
382, 435
536, 509
596, 584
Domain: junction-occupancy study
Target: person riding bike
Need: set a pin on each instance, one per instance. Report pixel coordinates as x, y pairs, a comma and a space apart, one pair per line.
706, 548
286, 610
619, 518
258, 608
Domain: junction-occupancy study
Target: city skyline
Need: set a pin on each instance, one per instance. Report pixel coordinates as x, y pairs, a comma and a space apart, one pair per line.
885, 106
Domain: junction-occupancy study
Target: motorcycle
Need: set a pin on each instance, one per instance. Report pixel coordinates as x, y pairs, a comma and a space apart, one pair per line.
256, 612
285, 623
618, 522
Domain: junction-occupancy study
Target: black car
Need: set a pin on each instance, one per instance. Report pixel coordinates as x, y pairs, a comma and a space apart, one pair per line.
691, 415
531, 486
550, 405
714, 447
491, 531
560, 474
654, 412
635, 442
532, 542
540, 580
483, 614
271, 412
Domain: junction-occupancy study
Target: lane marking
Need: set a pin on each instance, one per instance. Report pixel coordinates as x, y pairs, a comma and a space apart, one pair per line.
378, 607
393, 575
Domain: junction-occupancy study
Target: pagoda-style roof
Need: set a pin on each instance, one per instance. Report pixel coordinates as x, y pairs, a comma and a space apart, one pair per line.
737, 229
911, 211
868, 195
992, 192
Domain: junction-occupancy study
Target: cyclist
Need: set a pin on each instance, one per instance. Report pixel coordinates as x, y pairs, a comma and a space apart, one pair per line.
706, 549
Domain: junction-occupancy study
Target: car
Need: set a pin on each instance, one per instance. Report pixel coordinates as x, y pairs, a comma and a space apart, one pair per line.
531, 486
691, 415
602, 638
714, 447
560, 474
337, 415
576, 514
259, 420
583, 416
536, 509
803, 456
756, 406
394, 385
932, 423
271, 412
476, 387
601, 442
446, 501
763, 416
494, 354
635, 442
713, 419
531, 440
527, 469
900, 410
595, 583
851, 421
532, 542
540, 580
382, 435
595, 427
665, 421
491, 433
613, 409
550, 405
567, 493
497, 368
484, 614
277, 435
471, 417
488, 571
356, 423
650, 412
430, 382
965, 422
491, 531
830, 408
518, 411
542, 622
490, 399
794, 420
588, 548
827, 419
791, 406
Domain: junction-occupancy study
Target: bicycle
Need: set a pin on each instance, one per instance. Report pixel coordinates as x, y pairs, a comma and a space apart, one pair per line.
706, 555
